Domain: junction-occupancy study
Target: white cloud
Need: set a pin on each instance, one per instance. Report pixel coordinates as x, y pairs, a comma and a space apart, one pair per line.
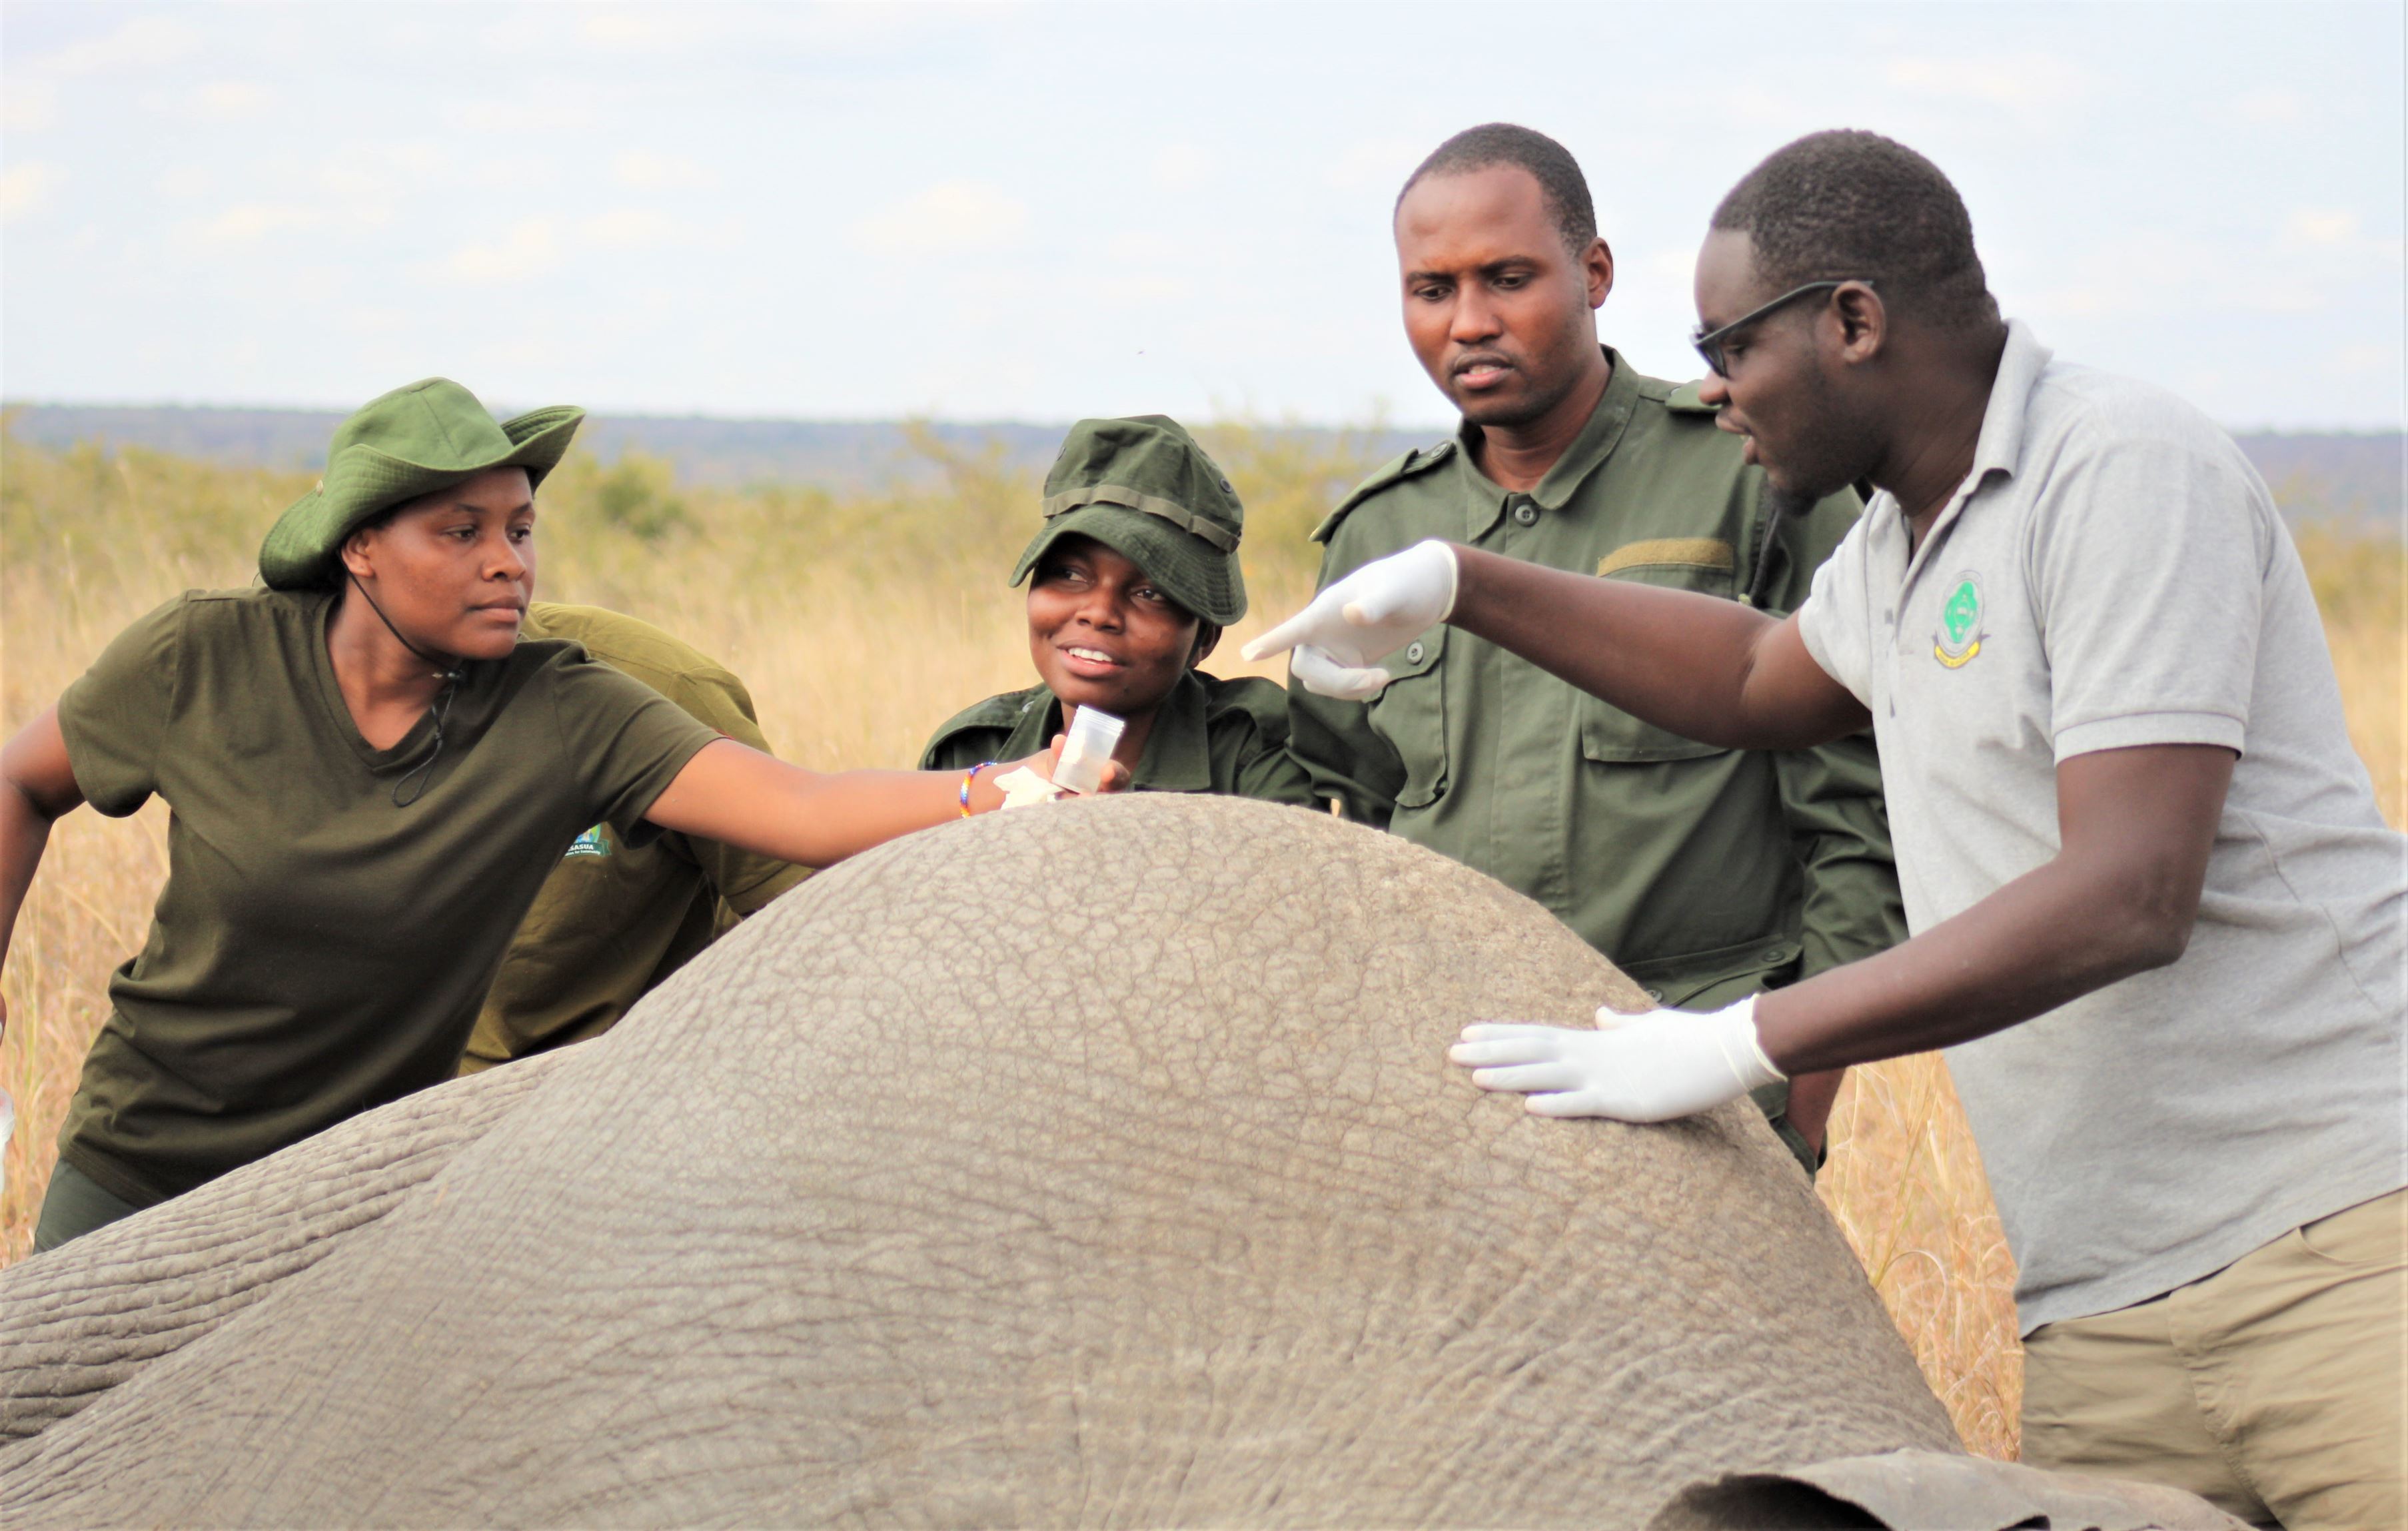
649, 172
140, 43
2273, 103
630, 228
542, 111
2031, 85
252, 221
230, 100
1674, 266
1182, 167
1375, 164
2352, 361
25, 187
624, 30
1144, 291
528, 250
2321, 226
1143, 247
952, 216
28, 105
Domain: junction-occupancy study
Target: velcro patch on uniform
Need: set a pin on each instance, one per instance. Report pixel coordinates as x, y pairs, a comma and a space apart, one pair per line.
1687, 552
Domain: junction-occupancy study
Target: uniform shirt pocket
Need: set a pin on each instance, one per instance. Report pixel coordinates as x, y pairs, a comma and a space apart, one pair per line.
1704, 564
1411, 714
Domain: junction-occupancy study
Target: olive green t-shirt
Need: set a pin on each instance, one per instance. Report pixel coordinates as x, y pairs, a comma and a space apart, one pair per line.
319, 951
613, 919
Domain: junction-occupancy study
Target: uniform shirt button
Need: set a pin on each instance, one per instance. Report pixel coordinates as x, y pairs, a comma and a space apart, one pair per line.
1655, 995
1773, 955
1525, 514
1413, 653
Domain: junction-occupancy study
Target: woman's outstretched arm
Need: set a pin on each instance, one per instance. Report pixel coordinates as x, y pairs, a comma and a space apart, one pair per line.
37, 785
741, 797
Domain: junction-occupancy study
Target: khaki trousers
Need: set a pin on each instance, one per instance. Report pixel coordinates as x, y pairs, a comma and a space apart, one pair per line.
2271, 1389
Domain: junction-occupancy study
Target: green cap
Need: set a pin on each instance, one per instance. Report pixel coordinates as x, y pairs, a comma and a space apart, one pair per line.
1143, 488
413, 441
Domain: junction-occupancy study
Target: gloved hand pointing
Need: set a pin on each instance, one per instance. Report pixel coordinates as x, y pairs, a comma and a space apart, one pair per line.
1363, 618
1648, 1068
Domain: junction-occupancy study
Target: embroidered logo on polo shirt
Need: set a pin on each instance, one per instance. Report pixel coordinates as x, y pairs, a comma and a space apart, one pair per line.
1959, 638
594, 842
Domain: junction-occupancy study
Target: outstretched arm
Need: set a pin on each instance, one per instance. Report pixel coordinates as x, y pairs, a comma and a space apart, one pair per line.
37, 785
1707, 668
740, 796
1704, 667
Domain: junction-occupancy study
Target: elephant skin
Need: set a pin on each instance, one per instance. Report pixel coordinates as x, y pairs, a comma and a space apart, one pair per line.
1097, 1164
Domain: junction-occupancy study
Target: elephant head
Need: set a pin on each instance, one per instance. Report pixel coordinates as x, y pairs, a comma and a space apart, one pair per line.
1097, 1164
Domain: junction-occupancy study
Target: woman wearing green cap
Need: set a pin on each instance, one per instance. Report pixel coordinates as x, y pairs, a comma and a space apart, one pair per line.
1131, 580
369, 777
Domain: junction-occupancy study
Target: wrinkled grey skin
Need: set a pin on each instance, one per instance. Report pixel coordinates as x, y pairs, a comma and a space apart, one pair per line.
1094, 1165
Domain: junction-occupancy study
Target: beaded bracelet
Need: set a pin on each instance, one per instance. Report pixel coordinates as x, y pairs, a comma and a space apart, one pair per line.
967, 777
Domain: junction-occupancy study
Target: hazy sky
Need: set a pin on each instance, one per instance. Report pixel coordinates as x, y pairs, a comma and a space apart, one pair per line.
1044, 212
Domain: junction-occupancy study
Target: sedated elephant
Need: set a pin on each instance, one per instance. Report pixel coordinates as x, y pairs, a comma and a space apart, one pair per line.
1096, 1165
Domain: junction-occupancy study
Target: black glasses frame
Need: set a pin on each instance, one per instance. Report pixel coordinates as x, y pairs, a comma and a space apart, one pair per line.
1710, 342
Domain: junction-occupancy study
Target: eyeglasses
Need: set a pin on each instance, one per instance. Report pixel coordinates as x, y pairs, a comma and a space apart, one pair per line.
1710, 342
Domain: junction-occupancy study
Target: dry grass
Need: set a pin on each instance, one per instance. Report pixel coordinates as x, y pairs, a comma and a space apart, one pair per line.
859, 623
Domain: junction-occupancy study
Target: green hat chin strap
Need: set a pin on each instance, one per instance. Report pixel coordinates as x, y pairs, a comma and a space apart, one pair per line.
1152, 505
449, 674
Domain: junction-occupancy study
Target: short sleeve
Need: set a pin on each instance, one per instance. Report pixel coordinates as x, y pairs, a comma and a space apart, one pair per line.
2147, 567
1836, 621
626, 742
747, 882
117, 715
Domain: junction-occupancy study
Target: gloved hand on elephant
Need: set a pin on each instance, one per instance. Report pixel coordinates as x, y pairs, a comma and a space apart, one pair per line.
1363, 618
1649, 1068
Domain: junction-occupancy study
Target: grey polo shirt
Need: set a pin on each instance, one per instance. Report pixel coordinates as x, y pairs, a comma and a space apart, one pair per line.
2112, 573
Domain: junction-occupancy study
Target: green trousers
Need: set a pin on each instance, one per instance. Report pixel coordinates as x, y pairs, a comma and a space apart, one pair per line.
74, 1207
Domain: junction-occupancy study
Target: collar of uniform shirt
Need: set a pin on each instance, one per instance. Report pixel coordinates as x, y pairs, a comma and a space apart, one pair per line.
1585, 456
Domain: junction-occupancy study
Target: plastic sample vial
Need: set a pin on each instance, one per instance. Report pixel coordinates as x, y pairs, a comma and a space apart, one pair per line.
1088, 753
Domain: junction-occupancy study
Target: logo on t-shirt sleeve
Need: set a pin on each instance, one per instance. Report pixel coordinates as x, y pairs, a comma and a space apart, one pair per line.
1960, 634
594, 842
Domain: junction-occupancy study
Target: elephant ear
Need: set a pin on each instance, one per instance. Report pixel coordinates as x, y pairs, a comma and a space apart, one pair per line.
87, 1316
1915, 1488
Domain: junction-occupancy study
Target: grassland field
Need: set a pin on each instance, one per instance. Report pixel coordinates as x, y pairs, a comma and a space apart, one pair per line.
860, 621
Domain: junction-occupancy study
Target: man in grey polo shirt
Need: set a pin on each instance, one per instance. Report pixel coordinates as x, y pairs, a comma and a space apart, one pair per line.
2156, 916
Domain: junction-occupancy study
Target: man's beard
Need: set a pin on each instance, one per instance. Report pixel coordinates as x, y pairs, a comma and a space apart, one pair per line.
1831, 450
1782, 501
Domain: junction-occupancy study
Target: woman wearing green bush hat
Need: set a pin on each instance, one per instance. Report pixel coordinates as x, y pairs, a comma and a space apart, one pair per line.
369, 777
1131, 580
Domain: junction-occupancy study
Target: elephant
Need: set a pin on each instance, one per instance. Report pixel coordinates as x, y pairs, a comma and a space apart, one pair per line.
1094, 1164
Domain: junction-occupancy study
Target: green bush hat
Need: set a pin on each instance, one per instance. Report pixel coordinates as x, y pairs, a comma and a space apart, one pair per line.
413, 441
1143, 488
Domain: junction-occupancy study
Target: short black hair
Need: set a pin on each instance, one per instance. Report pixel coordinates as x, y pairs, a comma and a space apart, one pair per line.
1548, 163
1849, 204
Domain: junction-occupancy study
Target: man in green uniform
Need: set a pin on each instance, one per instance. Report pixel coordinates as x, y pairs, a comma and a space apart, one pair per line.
614, 920
1706, 874
1131, 580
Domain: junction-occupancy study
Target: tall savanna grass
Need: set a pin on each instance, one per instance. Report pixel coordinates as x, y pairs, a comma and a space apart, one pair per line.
860, 621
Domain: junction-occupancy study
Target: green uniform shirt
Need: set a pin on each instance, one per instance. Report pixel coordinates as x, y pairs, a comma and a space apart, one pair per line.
1706, 874
318, 950
613, 920
1226, 737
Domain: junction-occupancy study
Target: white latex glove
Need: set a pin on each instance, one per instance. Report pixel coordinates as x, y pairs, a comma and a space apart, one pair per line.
1364, 618
1648, 1068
